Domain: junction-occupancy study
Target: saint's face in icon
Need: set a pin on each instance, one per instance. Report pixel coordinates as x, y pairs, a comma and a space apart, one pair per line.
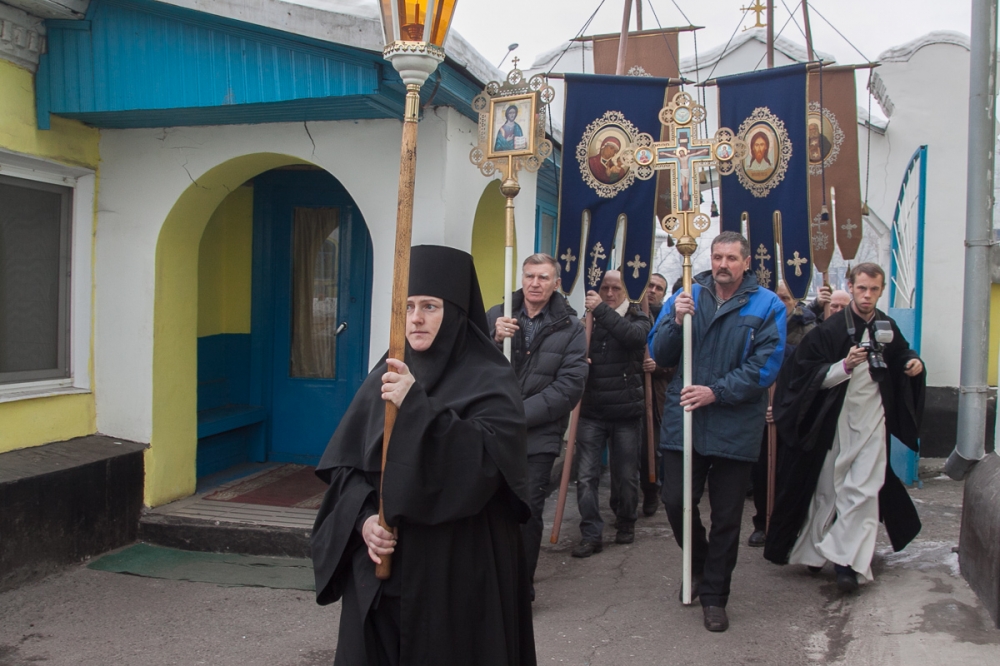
511, 113
604, 166
609, 149
759, 146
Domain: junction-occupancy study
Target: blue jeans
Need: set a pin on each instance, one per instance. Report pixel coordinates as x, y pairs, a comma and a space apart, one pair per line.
623, 441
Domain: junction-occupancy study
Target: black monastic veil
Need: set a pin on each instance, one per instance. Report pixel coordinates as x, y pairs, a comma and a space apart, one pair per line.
455, 487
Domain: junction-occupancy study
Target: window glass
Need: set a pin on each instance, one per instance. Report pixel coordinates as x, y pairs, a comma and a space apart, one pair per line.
34, 276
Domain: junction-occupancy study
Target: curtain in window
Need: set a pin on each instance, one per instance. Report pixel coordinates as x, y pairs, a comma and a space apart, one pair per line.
315, 249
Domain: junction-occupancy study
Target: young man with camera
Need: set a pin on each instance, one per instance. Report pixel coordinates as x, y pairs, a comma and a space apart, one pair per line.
852, 382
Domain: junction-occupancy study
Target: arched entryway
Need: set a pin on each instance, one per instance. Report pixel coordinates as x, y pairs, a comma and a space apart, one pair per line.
488, 238
227, 325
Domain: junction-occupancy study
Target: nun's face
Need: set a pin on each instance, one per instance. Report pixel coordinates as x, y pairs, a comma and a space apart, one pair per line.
423, 320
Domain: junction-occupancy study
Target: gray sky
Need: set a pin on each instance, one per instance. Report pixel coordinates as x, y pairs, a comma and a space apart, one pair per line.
540, 25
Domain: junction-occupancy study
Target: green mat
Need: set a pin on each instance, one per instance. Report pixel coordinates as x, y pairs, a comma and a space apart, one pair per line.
225, 569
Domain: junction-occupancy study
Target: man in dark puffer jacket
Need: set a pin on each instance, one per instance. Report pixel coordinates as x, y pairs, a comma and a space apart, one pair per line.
549, 355
612, 410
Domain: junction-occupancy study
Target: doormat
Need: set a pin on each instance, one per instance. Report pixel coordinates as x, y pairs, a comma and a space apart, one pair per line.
291, 486
225, 569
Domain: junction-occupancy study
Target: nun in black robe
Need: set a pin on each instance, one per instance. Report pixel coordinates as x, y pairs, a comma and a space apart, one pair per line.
455, 489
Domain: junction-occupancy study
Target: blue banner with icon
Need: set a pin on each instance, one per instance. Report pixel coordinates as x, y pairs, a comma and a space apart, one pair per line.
599, 190
768, 110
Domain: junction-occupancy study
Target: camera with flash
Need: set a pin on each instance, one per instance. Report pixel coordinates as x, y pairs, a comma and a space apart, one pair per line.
879, 335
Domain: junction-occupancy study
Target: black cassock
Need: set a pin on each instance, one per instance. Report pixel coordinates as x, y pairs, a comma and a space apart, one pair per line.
806, 416
455, 488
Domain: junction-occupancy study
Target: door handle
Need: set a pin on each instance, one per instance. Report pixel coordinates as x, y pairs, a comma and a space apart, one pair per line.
341, 328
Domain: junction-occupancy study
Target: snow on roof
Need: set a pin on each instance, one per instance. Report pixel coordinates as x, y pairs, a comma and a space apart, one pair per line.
904, 52
348, 22
877, 122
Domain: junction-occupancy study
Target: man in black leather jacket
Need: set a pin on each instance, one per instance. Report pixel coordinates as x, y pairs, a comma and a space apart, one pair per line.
549, 355
612, 411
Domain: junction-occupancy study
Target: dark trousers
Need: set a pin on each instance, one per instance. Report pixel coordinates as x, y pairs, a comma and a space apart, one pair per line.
539, 475
713, 558
759, 476
622, 438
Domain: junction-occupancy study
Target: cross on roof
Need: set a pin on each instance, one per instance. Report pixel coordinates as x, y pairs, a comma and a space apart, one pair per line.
515, 60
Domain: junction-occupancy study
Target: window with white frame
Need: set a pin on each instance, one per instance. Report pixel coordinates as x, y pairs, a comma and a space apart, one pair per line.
35, 250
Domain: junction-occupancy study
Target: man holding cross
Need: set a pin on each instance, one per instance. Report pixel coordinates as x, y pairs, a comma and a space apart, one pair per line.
739, 339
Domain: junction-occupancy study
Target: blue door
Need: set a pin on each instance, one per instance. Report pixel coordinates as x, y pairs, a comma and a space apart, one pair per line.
313, 269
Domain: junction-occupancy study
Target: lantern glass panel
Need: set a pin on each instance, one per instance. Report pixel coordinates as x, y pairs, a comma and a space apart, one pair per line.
413, 17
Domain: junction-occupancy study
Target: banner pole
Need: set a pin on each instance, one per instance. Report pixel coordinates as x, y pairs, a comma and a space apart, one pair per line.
509, 188
623, 40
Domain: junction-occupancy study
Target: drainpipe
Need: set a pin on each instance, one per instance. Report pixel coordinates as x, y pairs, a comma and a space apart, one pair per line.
970, 445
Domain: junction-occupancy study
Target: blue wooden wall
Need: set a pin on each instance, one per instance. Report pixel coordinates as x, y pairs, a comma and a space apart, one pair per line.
141, 63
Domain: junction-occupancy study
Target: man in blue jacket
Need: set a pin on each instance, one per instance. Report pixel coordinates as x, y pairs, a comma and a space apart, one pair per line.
739, 339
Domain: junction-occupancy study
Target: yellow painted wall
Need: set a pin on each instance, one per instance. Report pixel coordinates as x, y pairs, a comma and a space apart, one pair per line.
68, 141
225, 264
488, 245
170, 458
994, 333
36, 421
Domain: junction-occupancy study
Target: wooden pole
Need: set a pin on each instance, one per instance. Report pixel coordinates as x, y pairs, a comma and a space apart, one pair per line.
623, 39
648, 381
772, 429
574, 423
770, 34
509, 188
772, 459
808, 30
400, 281
638, 15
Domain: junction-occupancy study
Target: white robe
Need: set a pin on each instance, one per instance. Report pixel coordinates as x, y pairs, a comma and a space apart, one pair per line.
849, 483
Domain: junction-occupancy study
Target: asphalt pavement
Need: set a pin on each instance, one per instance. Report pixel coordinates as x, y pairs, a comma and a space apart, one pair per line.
617, 607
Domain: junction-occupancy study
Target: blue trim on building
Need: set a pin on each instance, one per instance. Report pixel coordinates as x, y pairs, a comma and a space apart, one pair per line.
141, 63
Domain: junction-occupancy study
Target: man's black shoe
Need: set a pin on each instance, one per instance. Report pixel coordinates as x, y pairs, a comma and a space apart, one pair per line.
715, 618
756, 539
587, 548
847, 579
813, 570
626, 533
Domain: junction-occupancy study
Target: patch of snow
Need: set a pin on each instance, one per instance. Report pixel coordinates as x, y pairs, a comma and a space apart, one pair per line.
924, 556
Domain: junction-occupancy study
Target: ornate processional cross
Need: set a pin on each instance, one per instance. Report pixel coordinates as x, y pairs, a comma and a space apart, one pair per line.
684, 155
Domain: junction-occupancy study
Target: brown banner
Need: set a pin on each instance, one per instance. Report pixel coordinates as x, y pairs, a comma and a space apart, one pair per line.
652, 53
833, 165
